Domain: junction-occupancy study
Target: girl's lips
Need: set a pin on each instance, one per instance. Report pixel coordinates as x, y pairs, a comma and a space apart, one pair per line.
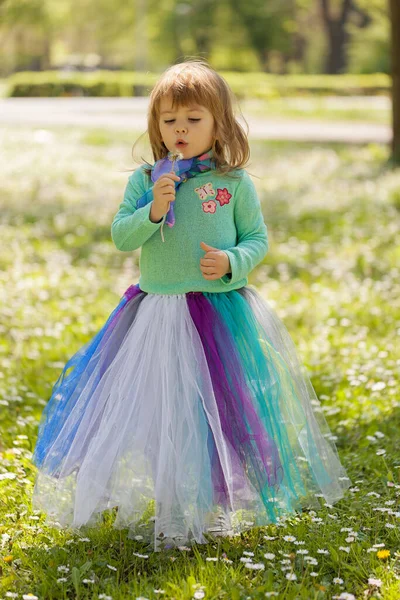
181, 144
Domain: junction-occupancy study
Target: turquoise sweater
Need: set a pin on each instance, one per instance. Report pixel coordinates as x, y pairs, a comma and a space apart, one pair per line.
221, 210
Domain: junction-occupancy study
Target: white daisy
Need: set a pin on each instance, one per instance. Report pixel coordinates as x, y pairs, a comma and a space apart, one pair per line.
63, 569
256, 566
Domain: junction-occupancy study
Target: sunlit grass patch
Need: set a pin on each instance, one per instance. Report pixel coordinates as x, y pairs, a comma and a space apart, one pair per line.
332, 275
372, 110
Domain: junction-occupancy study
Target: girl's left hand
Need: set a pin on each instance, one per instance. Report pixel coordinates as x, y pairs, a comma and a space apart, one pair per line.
215, 263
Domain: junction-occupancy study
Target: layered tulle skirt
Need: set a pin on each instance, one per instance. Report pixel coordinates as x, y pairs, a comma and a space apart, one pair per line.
188, 412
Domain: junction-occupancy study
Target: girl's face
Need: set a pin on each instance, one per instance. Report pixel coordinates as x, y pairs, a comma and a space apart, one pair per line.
192, 124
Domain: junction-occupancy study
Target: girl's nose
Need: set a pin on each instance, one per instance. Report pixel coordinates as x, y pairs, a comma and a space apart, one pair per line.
180, 129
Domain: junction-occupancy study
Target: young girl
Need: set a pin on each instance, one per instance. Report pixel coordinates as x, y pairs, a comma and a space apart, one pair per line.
189, 410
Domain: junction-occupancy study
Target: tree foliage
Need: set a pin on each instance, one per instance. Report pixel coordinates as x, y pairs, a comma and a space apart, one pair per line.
278, 35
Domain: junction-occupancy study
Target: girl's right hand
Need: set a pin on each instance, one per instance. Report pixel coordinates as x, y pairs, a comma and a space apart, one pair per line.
163, 194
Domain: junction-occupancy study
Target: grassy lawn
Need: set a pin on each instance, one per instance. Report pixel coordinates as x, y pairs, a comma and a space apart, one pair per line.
323, 108
332, 275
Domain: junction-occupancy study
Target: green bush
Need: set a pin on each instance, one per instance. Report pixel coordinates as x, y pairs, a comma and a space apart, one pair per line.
127, 83
62, 84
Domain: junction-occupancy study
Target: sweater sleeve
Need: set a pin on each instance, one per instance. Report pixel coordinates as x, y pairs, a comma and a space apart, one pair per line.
131, 226
252, 234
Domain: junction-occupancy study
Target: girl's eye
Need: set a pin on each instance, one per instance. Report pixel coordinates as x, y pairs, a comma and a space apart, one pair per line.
193, 120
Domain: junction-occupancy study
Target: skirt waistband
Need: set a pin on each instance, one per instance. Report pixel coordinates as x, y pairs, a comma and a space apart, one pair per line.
135, 289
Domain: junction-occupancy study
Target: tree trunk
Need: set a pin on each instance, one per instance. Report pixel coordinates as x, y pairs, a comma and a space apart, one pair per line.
337, 36
45, 59
395, 20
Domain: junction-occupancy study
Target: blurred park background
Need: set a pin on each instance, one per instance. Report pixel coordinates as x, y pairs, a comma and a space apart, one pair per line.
318, 83
335, 59
278, 36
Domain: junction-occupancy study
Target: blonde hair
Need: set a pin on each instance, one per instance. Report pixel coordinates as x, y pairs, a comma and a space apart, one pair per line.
195, 81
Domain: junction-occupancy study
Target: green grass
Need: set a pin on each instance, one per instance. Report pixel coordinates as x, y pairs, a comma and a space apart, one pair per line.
332, 275
321, 109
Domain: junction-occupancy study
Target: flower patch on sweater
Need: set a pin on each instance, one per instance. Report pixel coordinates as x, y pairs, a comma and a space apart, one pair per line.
223, 196
209, 206
206, 191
